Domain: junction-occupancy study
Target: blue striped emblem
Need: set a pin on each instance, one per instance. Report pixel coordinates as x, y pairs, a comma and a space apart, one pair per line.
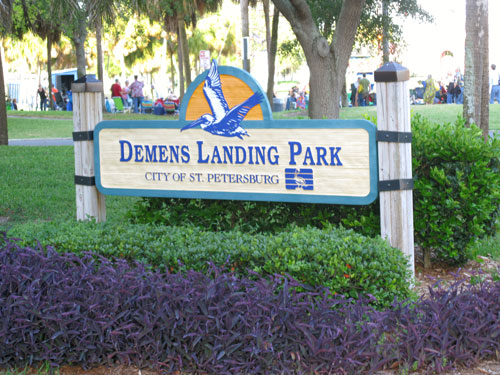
299, 179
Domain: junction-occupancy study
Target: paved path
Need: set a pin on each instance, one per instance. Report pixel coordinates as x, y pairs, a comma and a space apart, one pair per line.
41, 142
69, 141
42, 118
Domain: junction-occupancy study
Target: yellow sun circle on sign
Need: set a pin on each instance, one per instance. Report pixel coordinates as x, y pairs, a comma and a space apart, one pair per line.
235, 91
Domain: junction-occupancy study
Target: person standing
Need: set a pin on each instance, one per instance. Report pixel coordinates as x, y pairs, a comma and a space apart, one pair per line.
116, 89
127, 100
43, 98
364, 91
354, 92
136, 93
494, 85
459, 87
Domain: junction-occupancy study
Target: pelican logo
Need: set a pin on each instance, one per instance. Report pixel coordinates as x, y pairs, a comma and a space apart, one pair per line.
299, 179
223, 121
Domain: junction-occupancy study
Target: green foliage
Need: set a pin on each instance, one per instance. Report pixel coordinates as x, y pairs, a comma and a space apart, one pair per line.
345, 262
143, 37
251, 217
291, 56
327, 12
456, 198
487, 247
457, 187
44, 369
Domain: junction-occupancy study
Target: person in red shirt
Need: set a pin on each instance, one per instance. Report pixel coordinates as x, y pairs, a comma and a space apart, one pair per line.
116, 89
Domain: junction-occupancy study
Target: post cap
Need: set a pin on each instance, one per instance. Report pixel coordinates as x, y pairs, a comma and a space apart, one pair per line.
392, 72
87, 83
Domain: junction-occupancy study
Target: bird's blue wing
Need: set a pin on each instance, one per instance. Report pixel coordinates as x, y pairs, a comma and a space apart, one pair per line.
238, 112
213, 93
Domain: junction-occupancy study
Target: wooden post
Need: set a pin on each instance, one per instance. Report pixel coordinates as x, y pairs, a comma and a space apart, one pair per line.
87, 113
394, 158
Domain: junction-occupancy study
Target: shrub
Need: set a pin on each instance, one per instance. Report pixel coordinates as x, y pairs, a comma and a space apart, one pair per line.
456, 197
89, 311
457, 187
345, 262
251, 217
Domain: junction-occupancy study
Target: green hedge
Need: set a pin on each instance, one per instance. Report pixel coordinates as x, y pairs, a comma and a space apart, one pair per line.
346, 262
456, 198
457, 187
251, 217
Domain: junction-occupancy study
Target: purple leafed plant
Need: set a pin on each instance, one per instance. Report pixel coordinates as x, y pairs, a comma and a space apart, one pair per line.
90, 311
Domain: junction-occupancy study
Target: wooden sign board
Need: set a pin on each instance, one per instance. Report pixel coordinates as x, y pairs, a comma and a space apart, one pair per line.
227, 146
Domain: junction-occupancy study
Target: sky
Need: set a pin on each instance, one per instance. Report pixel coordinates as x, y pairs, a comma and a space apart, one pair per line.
426, 41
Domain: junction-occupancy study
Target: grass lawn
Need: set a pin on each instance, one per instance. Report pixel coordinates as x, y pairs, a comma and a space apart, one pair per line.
57, 124
439, 113
20, 128
37, 183
64, 115
436, 113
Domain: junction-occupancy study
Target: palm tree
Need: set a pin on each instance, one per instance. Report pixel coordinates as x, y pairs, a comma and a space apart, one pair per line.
41, 17
476, 85
271, 37
191, 10
6, 18
75, 15
272, 48
175, 16
245, 23
99, 11
165, 12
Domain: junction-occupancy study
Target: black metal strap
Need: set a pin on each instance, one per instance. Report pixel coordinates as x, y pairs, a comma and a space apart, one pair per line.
392, 185
83, 136
85, 180
393, 136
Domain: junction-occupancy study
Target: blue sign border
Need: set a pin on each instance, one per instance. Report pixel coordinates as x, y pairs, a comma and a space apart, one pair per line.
261, 124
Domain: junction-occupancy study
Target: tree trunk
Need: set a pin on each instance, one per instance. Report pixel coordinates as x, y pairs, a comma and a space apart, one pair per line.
327, 62
265, 4
476, 75
183, 42
385, 31
4, 134
324, 98
51, 103
245, 30
272, 55
427, 258
170, 47
343, 96
79, 37
100, 60
181, 73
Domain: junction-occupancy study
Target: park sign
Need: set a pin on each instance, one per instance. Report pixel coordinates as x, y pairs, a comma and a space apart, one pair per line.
226, 145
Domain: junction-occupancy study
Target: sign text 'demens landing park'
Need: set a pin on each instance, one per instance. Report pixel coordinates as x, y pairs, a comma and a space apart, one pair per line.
227, 146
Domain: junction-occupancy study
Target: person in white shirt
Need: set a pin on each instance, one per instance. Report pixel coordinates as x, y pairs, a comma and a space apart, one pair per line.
494, 84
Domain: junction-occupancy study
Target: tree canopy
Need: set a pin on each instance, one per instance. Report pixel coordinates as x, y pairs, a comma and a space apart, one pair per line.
327, 31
